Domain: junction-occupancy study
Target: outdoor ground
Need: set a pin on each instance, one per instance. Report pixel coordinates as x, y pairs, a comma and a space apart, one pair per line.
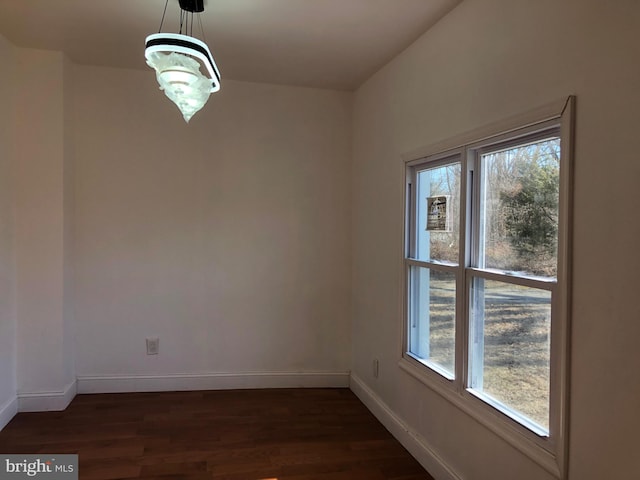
516, 343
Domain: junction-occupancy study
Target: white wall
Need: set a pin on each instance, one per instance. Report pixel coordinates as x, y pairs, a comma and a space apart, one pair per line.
8, 387
44, 372
227, 238
486, 61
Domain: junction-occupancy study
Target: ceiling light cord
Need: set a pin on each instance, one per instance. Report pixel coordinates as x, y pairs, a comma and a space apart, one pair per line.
163, 14
184, 21
201, 29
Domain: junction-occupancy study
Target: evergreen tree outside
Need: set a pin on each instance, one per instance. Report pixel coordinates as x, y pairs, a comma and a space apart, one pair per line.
530, 208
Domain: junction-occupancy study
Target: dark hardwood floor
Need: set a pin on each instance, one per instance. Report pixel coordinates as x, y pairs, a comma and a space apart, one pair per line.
277, 434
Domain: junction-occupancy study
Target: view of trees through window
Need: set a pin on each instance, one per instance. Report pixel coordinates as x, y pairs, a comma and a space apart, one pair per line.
515, 231
521, 209
521, 188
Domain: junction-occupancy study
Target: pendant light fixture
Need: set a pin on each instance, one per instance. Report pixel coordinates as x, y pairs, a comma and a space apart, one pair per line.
178, 58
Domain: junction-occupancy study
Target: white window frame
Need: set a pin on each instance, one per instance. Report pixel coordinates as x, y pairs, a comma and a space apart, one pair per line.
549, 451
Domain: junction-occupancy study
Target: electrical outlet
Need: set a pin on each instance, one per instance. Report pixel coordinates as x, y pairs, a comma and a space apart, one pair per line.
153, 346
376, 368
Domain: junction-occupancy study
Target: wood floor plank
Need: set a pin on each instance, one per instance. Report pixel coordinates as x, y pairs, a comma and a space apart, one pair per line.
277, 434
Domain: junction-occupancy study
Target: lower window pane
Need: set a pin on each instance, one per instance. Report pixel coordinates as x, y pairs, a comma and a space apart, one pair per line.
432, 318
510, 348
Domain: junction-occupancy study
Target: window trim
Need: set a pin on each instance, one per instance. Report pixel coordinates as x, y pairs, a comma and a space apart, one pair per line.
548, 452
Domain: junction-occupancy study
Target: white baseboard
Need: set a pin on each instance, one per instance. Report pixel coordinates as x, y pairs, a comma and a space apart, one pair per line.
47, 401
209, 381
8, 411
415, 443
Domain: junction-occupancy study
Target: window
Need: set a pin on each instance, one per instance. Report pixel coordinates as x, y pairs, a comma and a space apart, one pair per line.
486, 266
434, 264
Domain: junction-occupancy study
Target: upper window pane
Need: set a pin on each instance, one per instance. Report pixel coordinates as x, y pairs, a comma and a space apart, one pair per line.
438, 213
519, 209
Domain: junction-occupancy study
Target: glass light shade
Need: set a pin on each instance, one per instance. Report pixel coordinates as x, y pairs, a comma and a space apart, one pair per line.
180, 77
177, 59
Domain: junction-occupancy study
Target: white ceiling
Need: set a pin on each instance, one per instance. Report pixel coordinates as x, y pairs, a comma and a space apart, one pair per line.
317, 43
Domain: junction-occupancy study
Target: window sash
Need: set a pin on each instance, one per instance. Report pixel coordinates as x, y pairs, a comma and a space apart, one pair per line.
477, 350
474, 154
419, 344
